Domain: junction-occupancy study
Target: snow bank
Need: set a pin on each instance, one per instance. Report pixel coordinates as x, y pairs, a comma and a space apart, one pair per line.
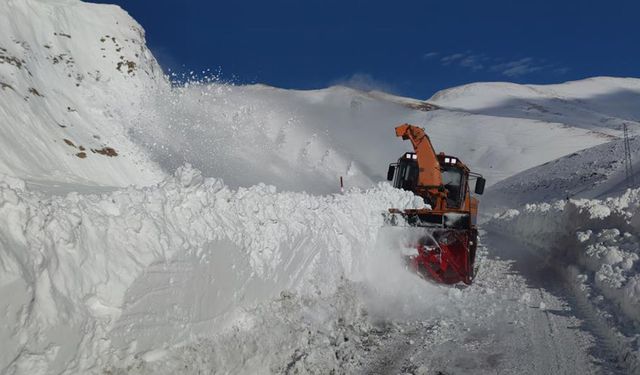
68, 262
600, 236
289, 334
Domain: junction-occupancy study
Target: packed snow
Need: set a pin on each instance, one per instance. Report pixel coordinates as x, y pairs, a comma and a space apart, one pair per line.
156, 228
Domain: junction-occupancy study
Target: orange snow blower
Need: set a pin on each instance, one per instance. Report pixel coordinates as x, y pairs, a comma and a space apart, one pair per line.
446, 246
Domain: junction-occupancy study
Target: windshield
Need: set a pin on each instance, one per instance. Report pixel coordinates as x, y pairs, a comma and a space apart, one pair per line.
452, 181
407, 175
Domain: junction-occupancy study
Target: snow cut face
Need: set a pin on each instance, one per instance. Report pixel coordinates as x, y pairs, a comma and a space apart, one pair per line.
79, 261
600, 236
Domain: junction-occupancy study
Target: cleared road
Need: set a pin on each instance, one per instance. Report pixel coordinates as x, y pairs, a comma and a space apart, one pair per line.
519, 317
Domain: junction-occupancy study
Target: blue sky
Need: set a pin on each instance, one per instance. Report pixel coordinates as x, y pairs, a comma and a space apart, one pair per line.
412, 48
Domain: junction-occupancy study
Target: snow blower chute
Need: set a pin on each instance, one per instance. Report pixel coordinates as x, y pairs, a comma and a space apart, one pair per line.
446, 249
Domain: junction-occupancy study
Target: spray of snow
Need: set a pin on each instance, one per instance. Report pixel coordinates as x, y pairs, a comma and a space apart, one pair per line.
394, 292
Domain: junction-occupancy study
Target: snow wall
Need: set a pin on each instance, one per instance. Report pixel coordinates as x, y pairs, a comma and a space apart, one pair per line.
596, 239
81, 274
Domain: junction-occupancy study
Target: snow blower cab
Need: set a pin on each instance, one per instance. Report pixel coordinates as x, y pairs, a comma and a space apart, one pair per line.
447, 244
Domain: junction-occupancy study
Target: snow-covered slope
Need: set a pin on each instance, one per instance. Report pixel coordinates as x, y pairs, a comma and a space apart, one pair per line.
81, 86
599, 104
308, 139
71, 75
596, 172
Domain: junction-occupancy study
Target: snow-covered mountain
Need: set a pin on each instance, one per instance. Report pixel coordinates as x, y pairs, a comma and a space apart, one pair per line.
599, 104
149, 228
71, 77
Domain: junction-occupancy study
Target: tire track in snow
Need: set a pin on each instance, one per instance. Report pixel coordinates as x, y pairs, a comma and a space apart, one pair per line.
612, 348
401, 350
615, 348
495, 329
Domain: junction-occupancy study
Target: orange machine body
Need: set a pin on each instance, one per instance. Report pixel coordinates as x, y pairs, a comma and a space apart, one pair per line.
443, 182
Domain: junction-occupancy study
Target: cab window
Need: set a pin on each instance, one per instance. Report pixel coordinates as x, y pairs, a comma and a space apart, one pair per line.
406, 175
452, 181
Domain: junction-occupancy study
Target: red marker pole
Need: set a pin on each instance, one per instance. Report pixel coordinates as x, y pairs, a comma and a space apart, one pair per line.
341, 185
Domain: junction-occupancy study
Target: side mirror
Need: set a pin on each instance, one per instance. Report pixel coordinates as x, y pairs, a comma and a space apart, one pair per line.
391, 172
480, 185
